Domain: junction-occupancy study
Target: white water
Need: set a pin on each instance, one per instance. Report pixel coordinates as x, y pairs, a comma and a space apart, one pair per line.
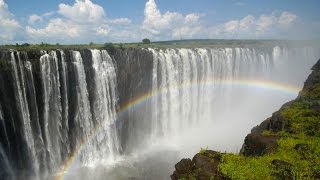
52, 116
105, 107
24, 115
102, 146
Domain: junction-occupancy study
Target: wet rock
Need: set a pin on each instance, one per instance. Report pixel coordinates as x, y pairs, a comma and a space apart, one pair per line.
204, 166
258, 144
184, 166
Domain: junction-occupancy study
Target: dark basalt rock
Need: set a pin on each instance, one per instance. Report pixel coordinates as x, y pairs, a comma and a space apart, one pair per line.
134, 79
258, 144
204, 166
184, 166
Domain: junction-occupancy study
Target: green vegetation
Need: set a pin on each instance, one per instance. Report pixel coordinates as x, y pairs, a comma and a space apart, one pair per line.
302, 153
302, 118
146, 41
203, 150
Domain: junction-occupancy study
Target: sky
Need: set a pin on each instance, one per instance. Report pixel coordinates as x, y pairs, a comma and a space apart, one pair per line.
100, 21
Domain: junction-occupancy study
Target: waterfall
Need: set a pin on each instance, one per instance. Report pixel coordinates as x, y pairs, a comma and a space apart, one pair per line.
61, 103
52, 108
23, 113
6, 167
200, 86
104, 106
58, 112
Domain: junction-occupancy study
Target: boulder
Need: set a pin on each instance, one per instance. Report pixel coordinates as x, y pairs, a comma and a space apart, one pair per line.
204, 166
184, 166
258, 144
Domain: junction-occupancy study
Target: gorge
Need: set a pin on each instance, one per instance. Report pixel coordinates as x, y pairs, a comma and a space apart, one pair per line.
86, 113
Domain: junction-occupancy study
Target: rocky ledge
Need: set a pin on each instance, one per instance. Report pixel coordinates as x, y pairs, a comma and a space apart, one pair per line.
284, 146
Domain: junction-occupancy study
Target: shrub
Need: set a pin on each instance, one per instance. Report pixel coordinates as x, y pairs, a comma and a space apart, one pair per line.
110, 47
146, 41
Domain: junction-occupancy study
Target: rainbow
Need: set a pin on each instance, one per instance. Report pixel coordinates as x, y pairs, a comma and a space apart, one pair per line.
257, 84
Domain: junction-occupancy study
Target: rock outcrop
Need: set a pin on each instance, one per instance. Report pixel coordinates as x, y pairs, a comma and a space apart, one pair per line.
204, 166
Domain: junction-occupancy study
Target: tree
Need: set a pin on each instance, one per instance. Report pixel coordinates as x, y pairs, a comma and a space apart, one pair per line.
25, 44
146, 41
110, 47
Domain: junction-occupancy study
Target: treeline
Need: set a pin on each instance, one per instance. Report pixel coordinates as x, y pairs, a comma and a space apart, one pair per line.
108, 45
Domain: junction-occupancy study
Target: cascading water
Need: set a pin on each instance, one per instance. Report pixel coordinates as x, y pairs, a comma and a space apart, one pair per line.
23, 112
207, 87
69, 103
104, 106
194, 86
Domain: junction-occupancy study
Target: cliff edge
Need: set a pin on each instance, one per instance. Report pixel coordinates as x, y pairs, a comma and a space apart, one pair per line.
284, 146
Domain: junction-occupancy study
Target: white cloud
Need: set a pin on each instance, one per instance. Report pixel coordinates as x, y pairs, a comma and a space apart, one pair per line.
56, 28
82, 21
231, 26
265, 22
103, 31
192, 18
34, 18
246, 23
169, 24
186, 32
82, 11
85, 21
8, 25
287, 18
252, 27
121, 21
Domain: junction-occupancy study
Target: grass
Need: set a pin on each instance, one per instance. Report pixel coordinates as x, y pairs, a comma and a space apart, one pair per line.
304, 163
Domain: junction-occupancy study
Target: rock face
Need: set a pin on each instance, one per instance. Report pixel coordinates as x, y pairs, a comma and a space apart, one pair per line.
134, 79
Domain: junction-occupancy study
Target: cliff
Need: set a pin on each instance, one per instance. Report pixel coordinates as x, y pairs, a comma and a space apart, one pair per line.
284, 146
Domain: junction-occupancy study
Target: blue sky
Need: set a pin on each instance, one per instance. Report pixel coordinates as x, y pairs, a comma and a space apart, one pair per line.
83, 21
